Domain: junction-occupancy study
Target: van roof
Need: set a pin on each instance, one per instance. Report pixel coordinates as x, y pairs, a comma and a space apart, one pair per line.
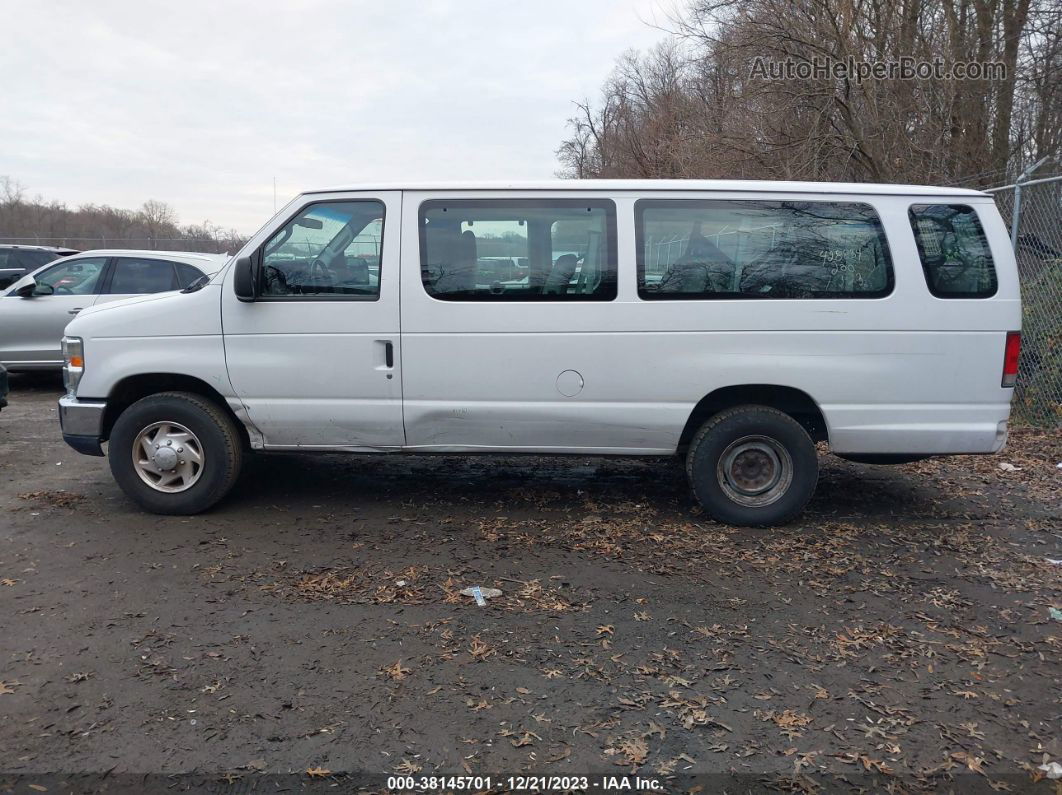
614, 185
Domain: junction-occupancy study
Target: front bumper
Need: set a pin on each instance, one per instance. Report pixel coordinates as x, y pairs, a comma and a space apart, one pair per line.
82, 423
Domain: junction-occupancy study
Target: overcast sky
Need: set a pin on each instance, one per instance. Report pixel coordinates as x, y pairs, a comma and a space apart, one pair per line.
201, 104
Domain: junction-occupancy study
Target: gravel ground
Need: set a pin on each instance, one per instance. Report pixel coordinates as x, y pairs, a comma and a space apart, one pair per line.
900, 635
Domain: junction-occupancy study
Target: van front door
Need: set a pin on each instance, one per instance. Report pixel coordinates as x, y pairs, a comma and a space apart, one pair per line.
316, 358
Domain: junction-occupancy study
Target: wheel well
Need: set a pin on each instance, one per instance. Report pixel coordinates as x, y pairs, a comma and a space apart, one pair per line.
129, 390
798, 405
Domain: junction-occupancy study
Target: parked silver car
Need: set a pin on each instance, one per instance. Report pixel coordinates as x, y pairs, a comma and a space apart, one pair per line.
36, 308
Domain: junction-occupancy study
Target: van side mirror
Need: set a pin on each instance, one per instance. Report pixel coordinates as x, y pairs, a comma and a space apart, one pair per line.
245, 279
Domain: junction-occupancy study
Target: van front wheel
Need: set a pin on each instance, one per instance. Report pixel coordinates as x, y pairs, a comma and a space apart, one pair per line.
752, 466
175, 453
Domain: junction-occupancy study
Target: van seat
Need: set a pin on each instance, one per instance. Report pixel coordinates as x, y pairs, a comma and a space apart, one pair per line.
560, 275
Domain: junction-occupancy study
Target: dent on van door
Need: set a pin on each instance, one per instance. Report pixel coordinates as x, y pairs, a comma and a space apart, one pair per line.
518, 356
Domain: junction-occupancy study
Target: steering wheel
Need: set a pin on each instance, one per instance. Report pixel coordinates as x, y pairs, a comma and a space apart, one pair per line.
276, 281
320, 274
62, 289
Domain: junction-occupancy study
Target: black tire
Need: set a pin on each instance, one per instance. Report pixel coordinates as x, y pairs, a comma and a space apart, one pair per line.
767, 449
216, 433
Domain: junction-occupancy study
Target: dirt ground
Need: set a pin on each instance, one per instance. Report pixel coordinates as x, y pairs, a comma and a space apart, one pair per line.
900, 635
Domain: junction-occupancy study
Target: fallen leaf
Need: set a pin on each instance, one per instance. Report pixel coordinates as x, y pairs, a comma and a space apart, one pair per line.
974, 763
479, 649
395, 671
634, 751
527, 739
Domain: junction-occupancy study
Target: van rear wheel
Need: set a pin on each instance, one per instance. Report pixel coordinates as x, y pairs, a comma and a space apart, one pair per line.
752, 466
175, 453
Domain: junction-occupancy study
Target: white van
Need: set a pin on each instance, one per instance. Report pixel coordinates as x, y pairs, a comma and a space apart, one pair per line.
734, 323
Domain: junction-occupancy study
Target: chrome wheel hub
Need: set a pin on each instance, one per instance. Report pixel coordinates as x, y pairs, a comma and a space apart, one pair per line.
168, 457
755, 471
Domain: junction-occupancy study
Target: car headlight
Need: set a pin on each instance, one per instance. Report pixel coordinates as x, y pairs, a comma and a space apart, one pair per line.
74, 363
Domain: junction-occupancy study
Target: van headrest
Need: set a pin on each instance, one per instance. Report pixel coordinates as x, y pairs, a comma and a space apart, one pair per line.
466, 247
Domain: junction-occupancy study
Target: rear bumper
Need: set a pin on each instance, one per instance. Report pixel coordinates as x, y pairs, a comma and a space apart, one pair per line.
82, 423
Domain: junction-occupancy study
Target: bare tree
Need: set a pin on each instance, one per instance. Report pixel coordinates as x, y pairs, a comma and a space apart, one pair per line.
157, 217
694, 106
11, 190
154, 225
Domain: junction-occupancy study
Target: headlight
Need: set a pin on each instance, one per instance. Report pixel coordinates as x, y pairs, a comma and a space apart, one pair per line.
74, 366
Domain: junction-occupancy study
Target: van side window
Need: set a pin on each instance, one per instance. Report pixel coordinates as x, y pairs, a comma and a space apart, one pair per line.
518, 249
760, 249
954, 251
330, 250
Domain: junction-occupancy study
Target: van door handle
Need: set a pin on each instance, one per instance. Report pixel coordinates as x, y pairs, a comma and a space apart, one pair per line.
389, 353
75, 310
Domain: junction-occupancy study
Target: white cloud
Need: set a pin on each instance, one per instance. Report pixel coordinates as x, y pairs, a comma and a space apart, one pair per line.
201, 104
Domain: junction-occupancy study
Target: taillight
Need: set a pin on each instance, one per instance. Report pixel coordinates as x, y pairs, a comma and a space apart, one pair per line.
1010, 358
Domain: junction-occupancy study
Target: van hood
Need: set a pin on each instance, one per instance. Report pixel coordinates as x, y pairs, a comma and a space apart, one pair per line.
159, 315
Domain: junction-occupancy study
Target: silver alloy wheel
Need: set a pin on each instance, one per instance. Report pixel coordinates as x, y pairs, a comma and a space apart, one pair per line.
168, 457
755, 471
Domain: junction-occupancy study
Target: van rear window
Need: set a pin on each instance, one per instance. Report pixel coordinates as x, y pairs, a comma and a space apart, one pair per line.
760, 249
518, 249
954, 251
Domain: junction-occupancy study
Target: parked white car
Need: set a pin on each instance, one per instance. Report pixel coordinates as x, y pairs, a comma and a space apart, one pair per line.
36, 308
733, 323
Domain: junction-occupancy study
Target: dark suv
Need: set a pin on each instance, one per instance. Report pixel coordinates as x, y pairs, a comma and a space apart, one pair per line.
17, 261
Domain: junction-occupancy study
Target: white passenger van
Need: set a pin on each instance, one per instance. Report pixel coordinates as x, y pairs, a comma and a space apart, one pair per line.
735, 324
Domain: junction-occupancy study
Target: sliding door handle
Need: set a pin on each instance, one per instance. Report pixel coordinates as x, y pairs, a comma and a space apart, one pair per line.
389, 353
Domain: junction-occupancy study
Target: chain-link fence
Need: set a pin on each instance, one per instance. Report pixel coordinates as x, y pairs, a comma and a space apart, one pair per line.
1033, 212
204, 245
